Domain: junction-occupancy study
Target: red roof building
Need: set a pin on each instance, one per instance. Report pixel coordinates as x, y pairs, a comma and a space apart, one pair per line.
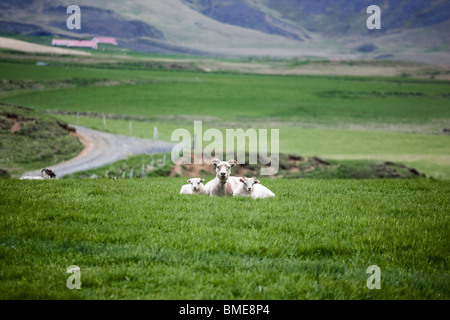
60, 42
83, 44
107, 40
75, 43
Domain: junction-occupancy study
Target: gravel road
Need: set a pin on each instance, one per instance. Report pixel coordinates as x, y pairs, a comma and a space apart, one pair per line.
103, 148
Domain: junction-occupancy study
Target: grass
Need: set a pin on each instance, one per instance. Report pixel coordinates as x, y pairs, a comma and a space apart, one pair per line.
160, 165
313, 99
302, 98
139, 239
39, 143
140, 166
252, 97
316, 115
426, 152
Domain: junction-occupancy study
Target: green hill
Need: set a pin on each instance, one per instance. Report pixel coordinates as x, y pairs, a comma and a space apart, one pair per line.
30, 140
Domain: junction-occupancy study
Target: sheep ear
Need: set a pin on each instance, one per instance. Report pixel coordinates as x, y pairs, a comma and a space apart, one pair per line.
256, 181
202, 180
242, 180
232, 163
215, 162
189, 181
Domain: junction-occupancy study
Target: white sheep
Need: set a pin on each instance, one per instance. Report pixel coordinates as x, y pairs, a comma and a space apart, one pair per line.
31, 178
194, 186
223, 184
45, 174
250, 187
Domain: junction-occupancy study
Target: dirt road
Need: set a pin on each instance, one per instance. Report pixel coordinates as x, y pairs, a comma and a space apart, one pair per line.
103, 148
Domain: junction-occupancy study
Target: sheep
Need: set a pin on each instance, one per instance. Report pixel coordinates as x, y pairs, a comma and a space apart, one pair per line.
31, 178
194, 186
223, 184
48, 174
250, 187
45, 174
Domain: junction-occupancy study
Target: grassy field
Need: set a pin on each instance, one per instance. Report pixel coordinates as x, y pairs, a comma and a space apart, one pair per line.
376, 118
429, 153
139, 239
160, 165
38, 142
328, 100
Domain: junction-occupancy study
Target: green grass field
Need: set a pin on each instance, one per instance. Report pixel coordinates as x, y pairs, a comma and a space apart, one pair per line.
395, 119
139, 239
233, 97
429, 153
40, 141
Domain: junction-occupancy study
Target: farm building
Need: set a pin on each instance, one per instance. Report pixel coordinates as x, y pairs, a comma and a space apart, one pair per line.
107, 40
75, 43
83, 44
60, 42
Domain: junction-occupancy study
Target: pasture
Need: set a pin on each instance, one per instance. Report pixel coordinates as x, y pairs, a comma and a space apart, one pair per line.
310, 99
139, 239
375, 118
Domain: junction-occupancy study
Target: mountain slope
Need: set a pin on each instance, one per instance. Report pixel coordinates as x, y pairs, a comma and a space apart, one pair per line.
241, 14
342, 17
101, 22
411, 29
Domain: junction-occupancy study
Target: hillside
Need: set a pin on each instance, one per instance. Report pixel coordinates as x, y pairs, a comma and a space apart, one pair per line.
411, 30
30, 140
337, 118
341, 17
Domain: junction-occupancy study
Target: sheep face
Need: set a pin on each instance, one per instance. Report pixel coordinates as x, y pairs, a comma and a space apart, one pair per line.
223, 168
195, 183
249, 183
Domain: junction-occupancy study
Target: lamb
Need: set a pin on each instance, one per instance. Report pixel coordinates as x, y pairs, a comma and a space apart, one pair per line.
31, 178
223, 184
194, 186
250, 187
